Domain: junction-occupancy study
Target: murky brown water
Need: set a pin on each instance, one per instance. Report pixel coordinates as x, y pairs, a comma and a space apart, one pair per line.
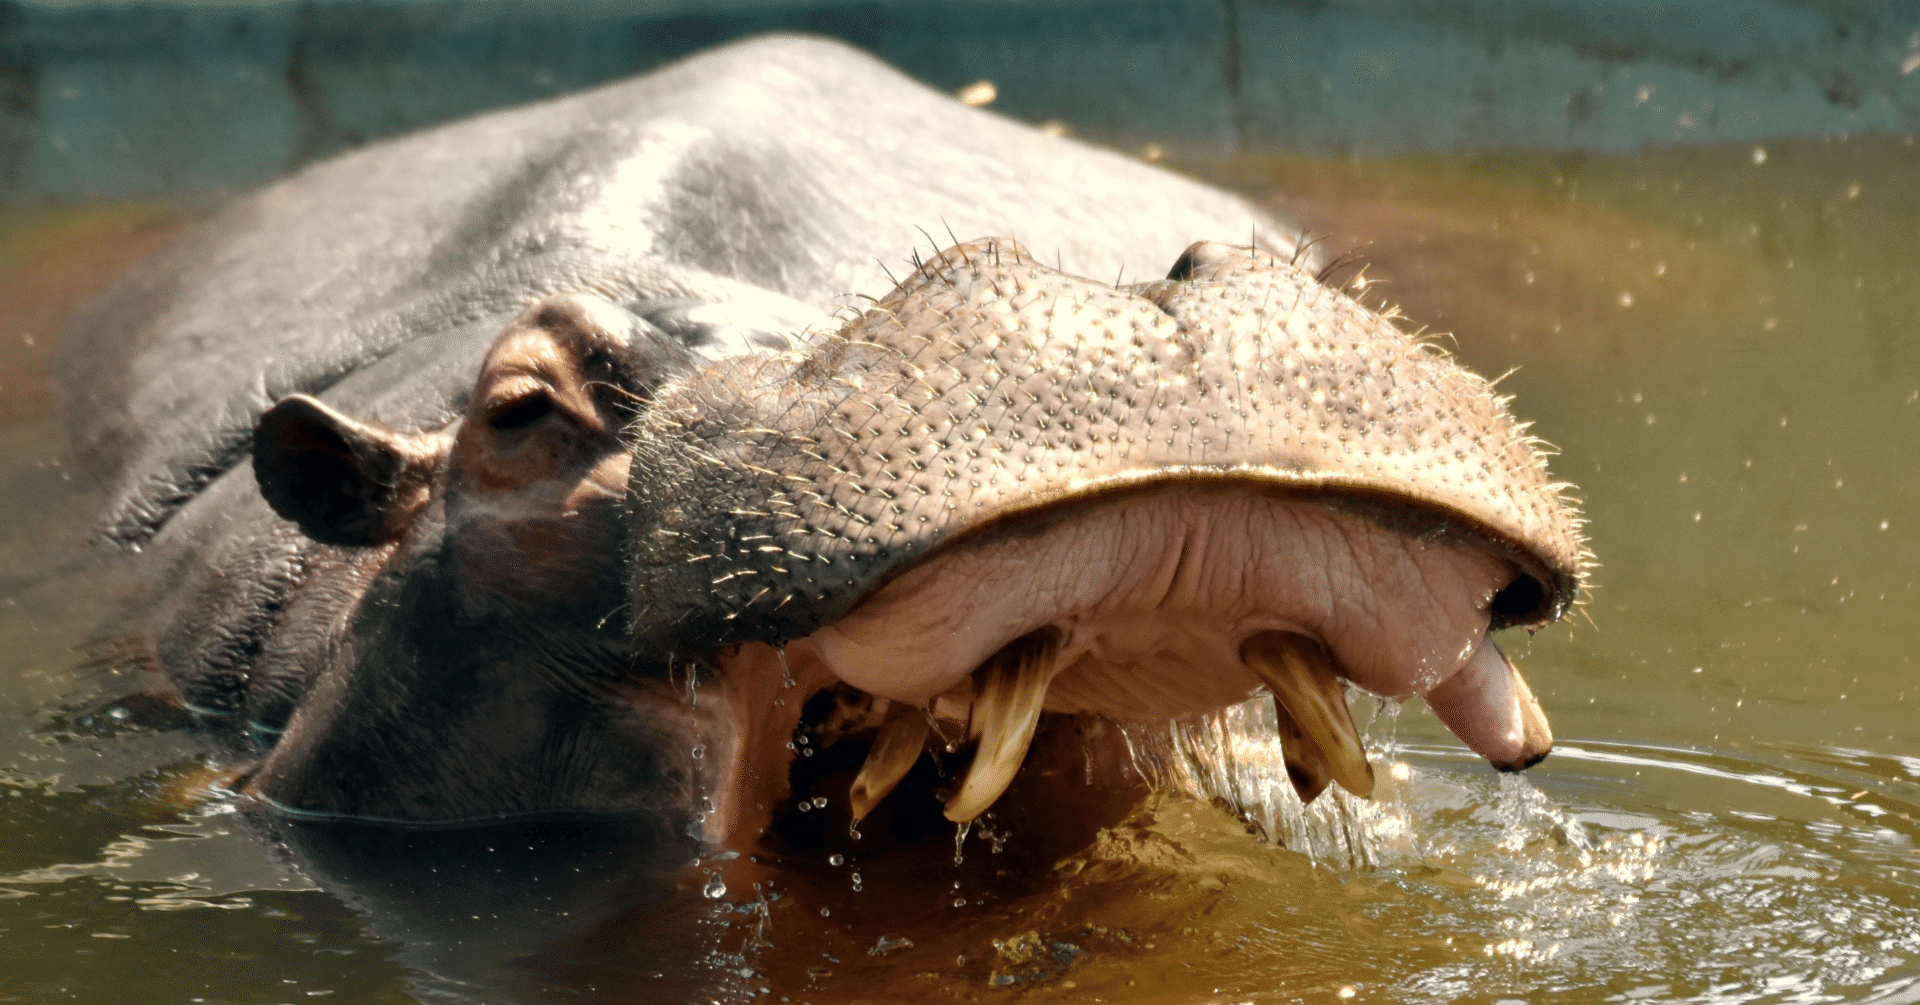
1721, 343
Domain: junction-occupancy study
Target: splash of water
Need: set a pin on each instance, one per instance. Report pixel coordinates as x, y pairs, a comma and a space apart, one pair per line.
1234, 757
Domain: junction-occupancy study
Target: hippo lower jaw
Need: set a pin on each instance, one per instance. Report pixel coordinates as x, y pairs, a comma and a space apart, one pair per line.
1161, 602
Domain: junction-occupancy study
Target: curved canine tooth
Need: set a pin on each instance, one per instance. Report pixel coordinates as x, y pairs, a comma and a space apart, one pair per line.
1303, 680
1008, 690
903, 734
1306, 769
1490, 708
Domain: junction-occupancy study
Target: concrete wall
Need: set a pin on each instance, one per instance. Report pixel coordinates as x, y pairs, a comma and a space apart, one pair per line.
171, 99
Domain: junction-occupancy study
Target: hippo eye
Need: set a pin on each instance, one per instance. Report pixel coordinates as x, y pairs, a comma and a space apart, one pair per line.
522, 413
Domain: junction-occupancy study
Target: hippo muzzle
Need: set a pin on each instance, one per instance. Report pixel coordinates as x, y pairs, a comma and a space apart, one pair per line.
1004, 490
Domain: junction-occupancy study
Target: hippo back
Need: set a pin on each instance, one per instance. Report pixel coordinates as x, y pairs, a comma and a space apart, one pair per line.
737, 196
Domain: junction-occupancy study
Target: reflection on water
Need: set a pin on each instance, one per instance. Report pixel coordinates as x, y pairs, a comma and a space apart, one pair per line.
1619, 873
1719, 340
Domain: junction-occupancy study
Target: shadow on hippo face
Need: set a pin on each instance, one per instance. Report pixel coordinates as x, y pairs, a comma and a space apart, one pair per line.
485, 671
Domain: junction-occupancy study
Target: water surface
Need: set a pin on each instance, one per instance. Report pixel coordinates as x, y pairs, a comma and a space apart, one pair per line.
1718, 339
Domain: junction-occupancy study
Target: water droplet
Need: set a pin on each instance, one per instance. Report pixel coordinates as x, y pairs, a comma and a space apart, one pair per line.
786, 675
959, 901
715, 888
699, 751
960, 838
836, 859
819, 802
120, 712
806, 752
805, 806
826, 913
856, 882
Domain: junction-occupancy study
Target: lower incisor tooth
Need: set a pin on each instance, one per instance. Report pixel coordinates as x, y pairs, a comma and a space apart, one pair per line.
903, 734
1008, 691
1304, 682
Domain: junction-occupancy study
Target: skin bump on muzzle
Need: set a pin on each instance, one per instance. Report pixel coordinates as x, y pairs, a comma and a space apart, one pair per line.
1005, 490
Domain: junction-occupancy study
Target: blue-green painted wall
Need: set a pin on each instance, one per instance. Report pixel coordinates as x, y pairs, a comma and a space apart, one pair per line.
116, 99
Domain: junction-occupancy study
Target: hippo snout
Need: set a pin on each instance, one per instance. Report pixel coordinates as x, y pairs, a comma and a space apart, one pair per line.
1004, 490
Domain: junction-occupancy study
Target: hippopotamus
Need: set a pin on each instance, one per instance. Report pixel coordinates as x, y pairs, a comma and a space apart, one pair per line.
612, 456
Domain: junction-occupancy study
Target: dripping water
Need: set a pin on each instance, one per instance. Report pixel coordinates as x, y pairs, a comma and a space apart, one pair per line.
1234, 757
1383, 732
786, 672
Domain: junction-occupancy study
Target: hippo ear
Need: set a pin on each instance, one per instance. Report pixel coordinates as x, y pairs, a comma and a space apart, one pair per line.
343, 481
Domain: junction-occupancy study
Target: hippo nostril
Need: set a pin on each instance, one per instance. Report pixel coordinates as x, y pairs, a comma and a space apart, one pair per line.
1199, 253
1183, 267
1517, 602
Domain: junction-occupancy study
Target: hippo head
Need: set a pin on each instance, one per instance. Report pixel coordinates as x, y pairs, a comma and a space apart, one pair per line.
1002, 491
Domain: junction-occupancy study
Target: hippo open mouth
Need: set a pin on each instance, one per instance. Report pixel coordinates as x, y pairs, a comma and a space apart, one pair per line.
400, 438
1005, 490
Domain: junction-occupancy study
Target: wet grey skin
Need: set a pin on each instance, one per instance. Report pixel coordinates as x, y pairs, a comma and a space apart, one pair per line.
514, 469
